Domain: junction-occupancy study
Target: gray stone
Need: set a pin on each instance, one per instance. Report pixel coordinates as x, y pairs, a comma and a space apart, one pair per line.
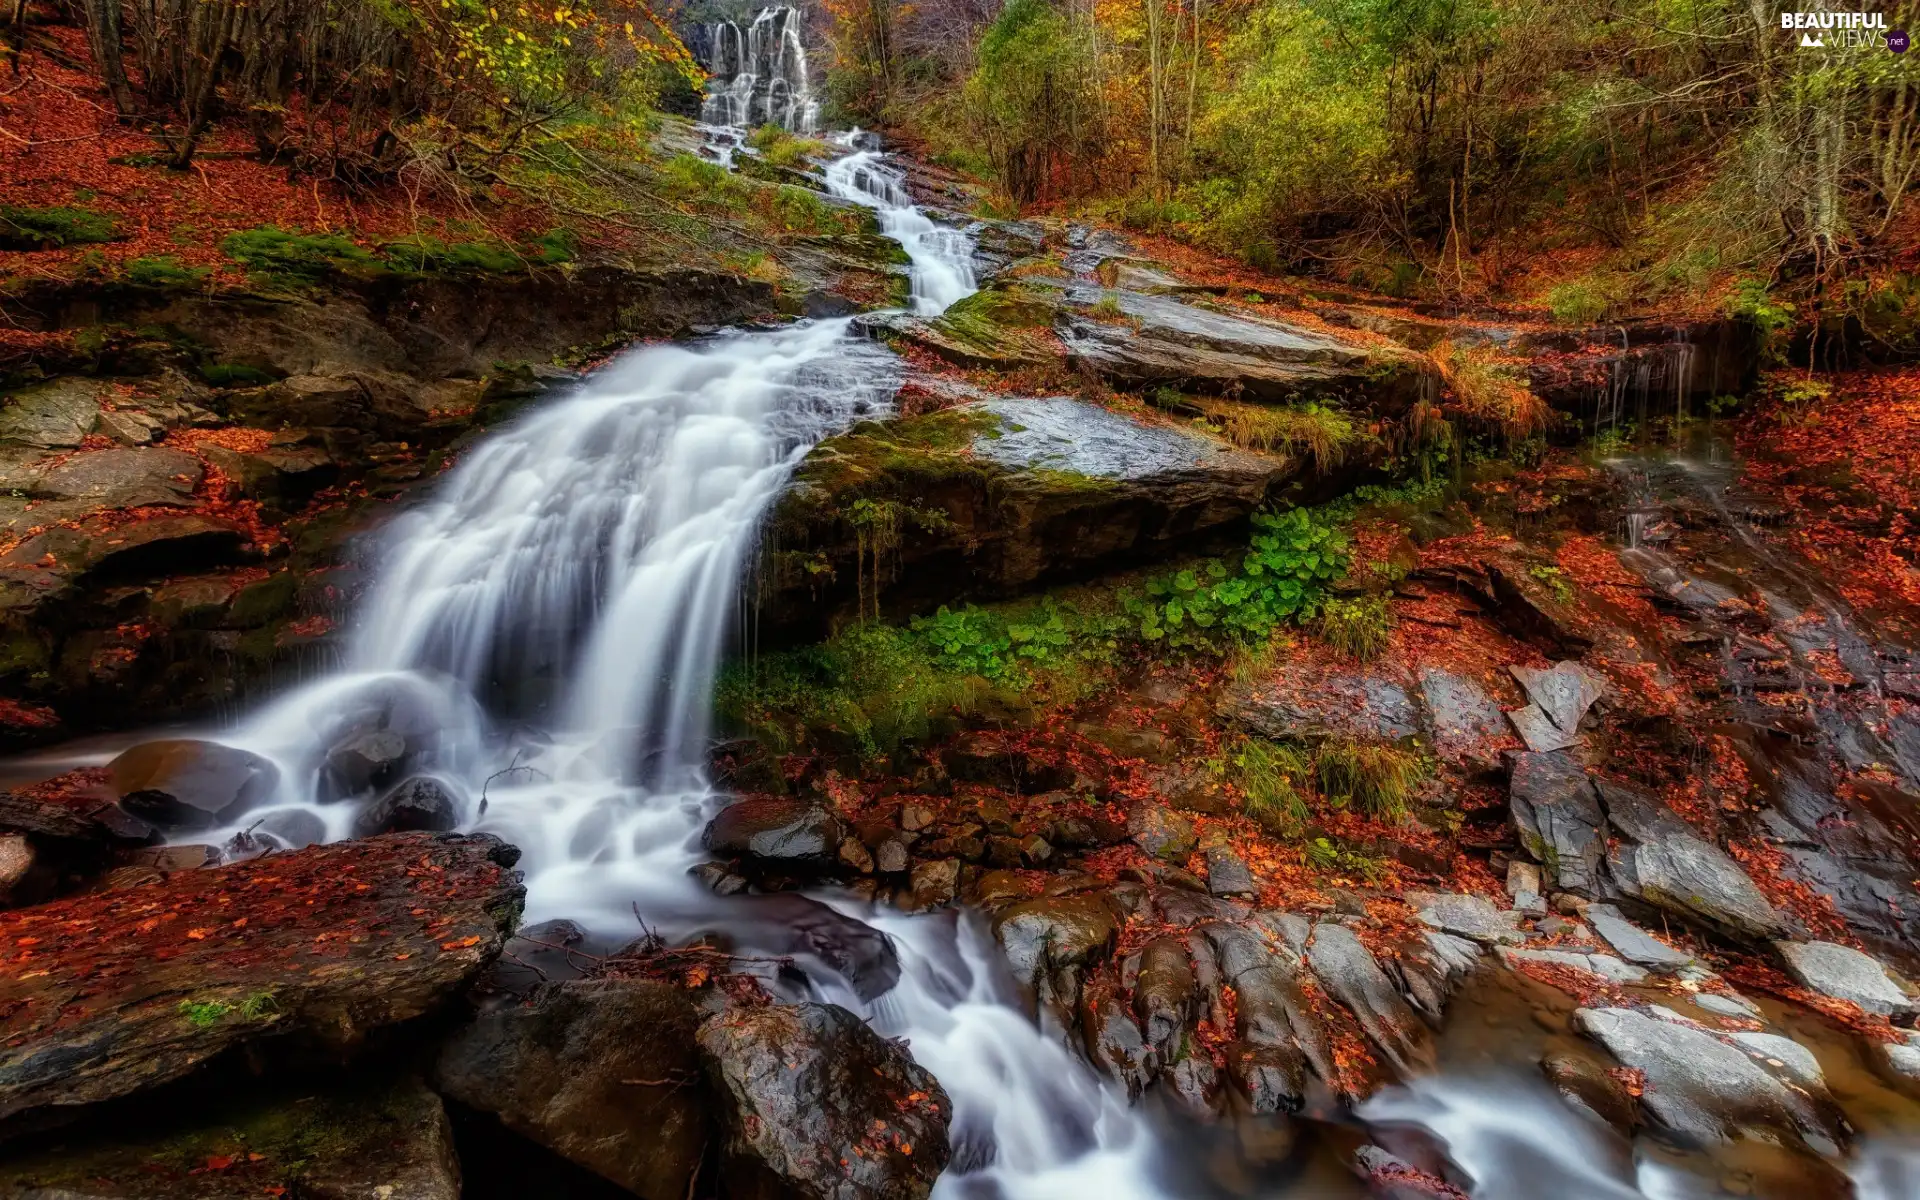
1562, 694
1362, 706
1703, 1089
1661, 861
1634, 944
1846, 974
1603, 966
1058, 433
57, 415
130, 427
933, 884
1559, 820
1227, 873
1469, 916
1721, 1004
1431, 966
1055, 931
1273, 1009
122, 478
1784, 1057
826, 1105
1523, 884
1539, 732
1352, 976
1464, 716
1163, 834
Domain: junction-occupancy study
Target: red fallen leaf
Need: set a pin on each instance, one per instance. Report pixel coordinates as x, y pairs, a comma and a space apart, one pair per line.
197, 935
219, 1162
462, 943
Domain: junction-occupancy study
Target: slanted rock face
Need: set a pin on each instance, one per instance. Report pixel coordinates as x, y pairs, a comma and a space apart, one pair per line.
107, 993
1055, 932
996, 496
1846, 974
1660, 860
1559, 820
828, 1107
122, 478
601, 1071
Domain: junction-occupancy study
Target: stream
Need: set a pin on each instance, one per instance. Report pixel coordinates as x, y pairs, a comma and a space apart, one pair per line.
552, 618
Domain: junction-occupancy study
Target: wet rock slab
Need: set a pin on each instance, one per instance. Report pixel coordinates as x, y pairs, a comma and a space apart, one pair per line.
1846, 974
365, 1139
105, 994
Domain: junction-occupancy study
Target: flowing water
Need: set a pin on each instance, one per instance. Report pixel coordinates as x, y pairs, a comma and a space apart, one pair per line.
549, 622
759, 73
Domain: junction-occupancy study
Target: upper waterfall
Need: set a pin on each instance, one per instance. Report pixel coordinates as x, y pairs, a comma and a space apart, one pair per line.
759, 72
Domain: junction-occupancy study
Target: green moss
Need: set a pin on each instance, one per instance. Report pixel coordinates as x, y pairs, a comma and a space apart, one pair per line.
263, 601
52, 228
234, 375
273, 257
165, 271
784, 149
425, 254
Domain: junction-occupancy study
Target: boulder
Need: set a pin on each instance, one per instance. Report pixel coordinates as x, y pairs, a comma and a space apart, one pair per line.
367, 758
107, 993
1587, 1087
1228, 874
1707, 1091
604, 1072
826, 1106
994, 497
1190, 789
281, 473
1557, 814
76, 809
1659, 860
1465, 719
1163, 992
1053, 932
363, 1138
777, 831
1432, 966
1274, 1011
136, 549
933, 885
122, 478
1846, 974
421, 803
1163, 834
1114, 1042
1367, 706
1600, 966
183, 783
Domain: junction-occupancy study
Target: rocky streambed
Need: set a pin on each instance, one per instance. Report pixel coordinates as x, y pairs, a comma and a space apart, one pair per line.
1634, 921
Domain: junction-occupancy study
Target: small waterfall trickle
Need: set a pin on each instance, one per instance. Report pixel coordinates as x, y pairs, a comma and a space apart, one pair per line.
760, 73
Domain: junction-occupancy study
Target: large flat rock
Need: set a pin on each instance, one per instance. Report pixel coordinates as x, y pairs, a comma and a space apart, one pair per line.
996, 496
108, 993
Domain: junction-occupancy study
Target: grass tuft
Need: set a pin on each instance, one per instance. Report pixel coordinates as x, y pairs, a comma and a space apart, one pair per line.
1492, 388
1324, 434
1358, 627
1270, 776
1380, 778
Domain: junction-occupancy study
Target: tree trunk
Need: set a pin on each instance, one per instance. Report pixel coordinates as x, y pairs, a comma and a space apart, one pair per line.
103, 31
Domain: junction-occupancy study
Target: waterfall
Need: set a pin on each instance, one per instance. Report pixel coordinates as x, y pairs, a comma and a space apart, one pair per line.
555, 613
759, 73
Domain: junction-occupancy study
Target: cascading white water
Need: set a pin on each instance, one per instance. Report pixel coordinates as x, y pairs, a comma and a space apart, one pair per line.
579, 569
759, 73
942, 256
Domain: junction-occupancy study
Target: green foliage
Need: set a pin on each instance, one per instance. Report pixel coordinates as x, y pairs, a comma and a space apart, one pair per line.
1771, 318
555, 246
424, 254
690, 177
165, 271
52, 228
784, 149
1333, 858
1031, 95
801, 211
1358, 627
1555, 580
1378, 777
233, 375
1282, 576
1271, 775
204, 1014
1580, 302
275, 257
